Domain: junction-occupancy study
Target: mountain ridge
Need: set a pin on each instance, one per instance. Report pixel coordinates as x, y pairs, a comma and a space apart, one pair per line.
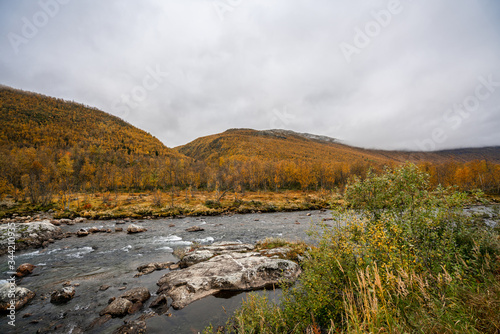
206, 147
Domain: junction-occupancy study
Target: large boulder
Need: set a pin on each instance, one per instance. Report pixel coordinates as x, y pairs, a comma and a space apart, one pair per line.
128, 303
118, 308
132, 228
205, 253
195, 257
22, 297
230, 271
27, 235
137, 295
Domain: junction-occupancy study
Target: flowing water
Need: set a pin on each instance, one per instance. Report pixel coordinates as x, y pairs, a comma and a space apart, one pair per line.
112, 259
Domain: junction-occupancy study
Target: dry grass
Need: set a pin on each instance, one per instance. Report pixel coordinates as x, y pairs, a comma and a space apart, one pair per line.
195, 203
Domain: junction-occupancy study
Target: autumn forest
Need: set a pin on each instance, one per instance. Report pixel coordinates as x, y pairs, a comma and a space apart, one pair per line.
50, 148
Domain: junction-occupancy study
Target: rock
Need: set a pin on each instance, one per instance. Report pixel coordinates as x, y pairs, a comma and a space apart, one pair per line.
133, 327
135, 295
134, 308
227, 272
160, 300
150, 267
24, 269
122, 288
308, 215
118, 229
195, 229
104, 287
171, 225
132, 228
62, 296
55, 222
118, 308
23, 296
174, 266
93, 230
66, 221
222, 247
120, 222
27, 235
80, 220
280, 252
82, 233
206, 252
109, 230
195, 256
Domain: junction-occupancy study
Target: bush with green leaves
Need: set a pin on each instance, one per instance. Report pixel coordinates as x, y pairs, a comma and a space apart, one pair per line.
401, 257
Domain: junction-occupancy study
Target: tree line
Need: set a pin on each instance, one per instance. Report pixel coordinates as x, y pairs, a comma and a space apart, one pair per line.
38, 174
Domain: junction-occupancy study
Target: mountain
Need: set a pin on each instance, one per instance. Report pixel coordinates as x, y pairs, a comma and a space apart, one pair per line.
242, 144
49, 145
34, 120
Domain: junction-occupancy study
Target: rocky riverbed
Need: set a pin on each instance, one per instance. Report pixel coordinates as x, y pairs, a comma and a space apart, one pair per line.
86, 276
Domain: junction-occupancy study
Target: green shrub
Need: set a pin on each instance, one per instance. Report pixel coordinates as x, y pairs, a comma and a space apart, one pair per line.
402, 258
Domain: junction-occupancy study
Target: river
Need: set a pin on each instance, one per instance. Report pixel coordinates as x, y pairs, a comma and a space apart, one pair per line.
112, 259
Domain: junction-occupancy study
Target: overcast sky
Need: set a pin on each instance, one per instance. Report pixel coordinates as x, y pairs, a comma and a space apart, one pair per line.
379, 74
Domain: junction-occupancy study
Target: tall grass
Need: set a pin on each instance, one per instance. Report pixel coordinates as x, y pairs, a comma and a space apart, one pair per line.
403, 258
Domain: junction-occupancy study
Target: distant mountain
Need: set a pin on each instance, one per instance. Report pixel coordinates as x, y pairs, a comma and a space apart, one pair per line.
276, 144
242, 144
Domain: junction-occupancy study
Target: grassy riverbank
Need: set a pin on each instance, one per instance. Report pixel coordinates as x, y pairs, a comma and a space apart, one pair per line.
410, 261
163, 204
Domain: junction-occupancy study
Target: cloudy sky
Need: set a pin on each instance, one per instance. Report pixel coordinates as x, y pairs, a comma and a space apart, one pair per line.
380, 74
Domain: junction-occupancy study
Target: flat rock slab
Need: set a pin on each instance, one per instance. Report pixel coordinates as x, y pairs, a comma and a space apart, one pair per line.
230, 271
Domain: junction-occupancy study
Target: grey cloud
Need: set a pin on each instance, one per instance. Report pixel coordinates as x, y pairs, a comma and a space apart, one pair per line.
268, 63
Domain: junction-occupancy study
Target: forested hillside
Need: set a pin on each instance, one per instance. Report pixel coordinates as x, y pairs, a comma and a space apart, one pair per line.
282, 159
49, 145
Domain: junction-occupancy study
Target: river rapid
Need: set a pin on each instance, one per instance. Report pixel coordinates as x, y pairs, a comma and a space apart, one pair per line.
112, 259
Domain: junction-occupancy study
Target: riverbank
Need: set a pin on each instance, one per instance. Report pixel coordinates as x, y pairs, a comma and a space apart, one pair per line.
122, 205
164, 204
